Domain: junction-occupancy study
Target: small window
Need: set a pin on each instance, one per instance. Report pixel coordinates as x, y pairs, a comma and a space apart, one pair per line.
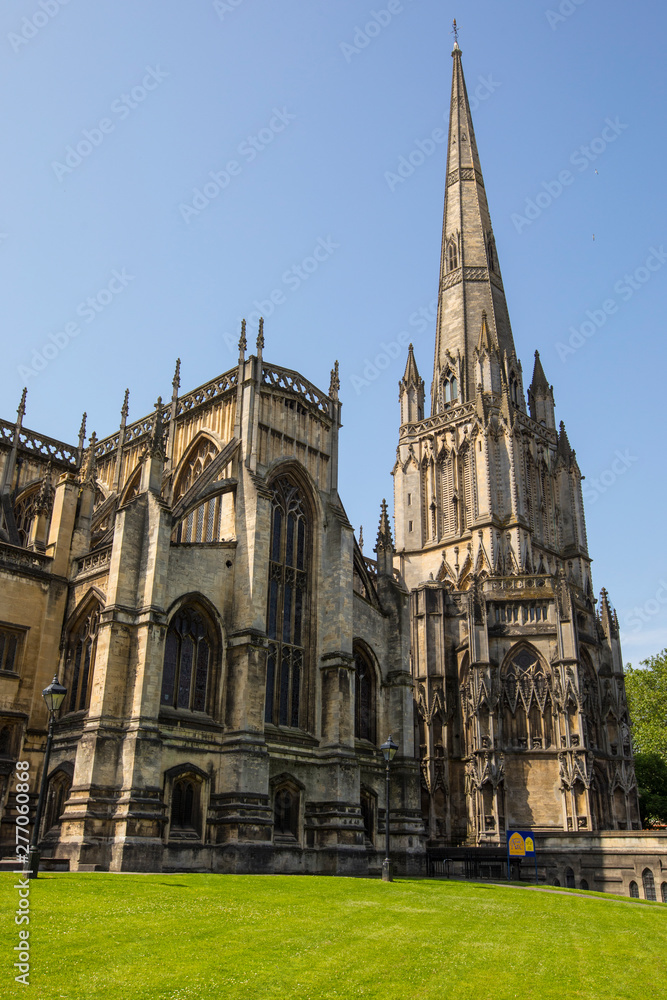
452, 257
10, 646
286, 814
569, 878
186, 807
663, 890
556, 882
409, 499
584, 884
648, 883
634, 890
410, 525
60, 784
368, 815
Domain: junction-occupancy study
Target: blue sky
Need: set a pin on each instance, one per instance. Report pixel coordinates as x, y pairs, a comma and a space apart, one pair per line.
313, 110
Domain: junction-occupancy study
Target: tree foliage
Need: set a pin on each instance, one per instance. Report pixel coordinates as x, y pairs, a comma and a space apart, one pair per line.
646, 689
651, 772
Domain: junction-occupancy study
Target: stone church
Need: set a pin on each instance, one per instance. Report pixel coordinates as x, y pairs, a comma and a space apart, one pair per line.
232, 658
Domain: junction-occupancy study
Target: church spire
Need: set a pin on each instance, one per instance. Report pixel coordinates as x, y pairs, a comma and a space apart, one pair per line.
470, 281
411, 392
541, 397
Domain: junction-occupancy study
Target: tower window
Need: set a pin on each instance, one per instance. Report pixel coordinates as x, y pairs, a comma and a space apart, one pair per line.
450, 389
452, 256
491, 255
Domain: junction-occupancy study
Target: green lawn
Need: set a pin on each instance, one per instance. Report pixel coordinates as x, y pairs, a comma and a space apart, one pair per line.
130, 937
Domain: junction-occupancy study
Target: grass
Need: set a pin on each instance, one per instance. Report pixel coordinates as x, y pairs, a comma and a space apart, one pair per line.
195, 937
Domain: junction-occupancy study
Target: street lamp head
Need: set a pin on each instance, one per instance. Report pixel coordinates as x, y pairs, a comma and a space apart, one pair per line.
54, 695
389, 749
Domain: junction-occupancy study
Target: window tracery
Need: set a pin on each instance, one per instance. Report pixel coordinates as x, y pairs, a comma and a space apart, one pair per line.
648, 883
364, 703
82, 648
187, 661
287, 625
528, 697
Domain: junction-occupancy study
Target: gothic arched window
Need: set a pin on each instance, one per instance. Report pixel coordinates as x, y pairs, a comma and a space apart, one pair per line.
634, 890
490, 253
364, 701
452, 256
528, 719
287, 604
367, 803
185, 817
663, 890
60, 784
81, 660
569, 878
286, 813
648, 883
187, 661
450, 389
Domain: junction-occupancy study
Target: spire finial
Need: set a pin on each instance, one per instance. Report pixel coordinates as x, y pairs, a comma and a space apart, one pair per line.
44, 500
361, 538
88, 472
384, 539
455, 33
260, 335
125, 408
176, 382
243, 343
82, 430
21, 408
334, 383
156, 444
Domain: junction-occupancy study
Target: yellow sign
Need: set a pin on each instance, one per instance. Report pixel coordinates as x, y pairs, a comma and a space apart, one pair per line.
529, 845
517, 847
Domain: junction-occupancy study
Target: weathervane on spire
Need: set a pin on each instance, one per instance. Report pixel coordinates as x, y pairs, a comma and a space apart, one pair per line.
455, 31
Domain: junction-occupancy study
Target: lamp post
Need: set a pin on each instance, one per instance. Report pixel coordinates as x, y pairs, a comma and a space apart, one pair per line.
53, 696
388, 750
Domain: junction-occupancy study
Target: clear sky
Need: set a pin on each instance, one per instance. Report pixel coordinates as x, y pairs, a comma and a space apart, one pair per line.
116, 113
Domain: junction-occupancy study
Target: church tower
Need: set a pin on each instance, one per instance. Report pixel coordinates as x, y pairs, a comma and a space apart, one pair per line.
518, 678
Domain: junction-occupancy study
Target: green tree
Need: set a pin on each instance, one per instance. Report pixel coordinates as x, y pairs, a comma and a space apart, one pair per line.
646, 689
